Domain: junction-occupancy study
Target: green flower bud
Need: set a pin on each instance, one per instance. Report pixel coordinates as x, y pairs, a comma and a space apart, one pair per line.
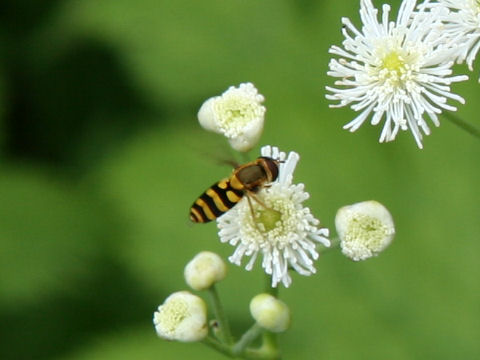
270, 313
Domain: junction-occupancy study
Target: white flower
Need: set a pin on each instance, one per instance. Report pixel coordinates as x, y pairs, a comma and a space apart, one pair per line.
462, 25
283, 231
395, 71
204, 270
365, 229
238, 114
270, 313
182, 317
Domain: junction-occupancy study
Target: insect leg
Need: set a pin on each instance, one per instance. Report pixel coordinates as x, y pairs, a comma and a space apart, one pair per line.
255, 197
250, 205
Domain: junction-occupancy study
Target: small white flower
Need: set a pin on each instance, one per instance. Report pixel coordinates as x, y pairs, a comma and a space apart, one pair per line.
270, 313
238, 114
204, 270
365, 229
462, 25
182, 317
283, 231
395, 71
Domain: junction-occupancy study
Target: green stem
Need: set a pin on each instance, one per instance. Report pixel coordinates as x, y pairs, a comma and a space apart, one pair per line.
224, 329
223, 348
270, 344
247, 339
261, 354
472, 130
268, 350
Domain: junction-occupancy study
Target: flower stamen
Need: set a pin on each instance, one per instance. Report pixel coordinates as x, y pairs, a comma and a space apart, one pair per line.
267, 219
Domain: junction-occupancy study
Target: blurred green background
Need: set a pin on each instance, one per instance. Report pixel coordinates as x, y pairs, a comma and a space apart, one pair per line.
101, 157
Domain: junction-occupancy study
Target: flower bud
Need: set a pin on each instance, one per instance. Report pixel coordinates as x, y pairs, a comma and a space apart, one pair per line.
204, 270
237, 114
270, 313
365, 229
182, 317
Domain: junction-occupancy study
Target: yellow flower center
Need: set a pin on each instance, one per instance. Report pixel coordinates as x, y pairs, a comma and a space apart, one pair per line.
267, 218
393, 62
172, 314
393, 67
368, 231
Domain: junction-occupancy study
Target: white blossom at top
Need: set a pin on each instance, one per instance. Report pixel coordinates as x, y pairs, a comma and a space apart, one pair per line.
182, 317
395, 71
283, 231
462, 25
238, 114
365, 229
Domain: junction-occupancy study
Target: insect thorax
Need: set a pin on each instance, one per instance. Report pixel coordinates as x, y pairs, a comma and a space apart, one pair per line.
251, 176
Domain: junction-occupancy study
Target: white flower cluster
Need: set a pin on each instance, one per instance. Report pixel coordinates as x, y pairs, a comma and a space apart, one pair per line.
281, 229
461, 23
182, 317
365, 229
398, 72
237, 114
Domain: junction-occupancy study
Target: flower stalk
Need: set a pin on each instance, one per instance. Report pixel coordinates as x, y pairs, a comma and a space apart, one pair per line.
247, 338
224, 332
218, 346
462, 124
267, 351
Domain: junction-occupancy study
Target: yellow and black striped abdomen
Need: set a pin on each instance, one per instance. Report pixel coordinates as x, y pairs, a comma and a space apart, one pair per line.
215, 201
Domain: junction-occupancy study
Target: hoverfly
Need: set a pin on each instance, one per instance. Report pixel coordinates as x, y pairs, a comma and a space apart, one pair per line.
246, 179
